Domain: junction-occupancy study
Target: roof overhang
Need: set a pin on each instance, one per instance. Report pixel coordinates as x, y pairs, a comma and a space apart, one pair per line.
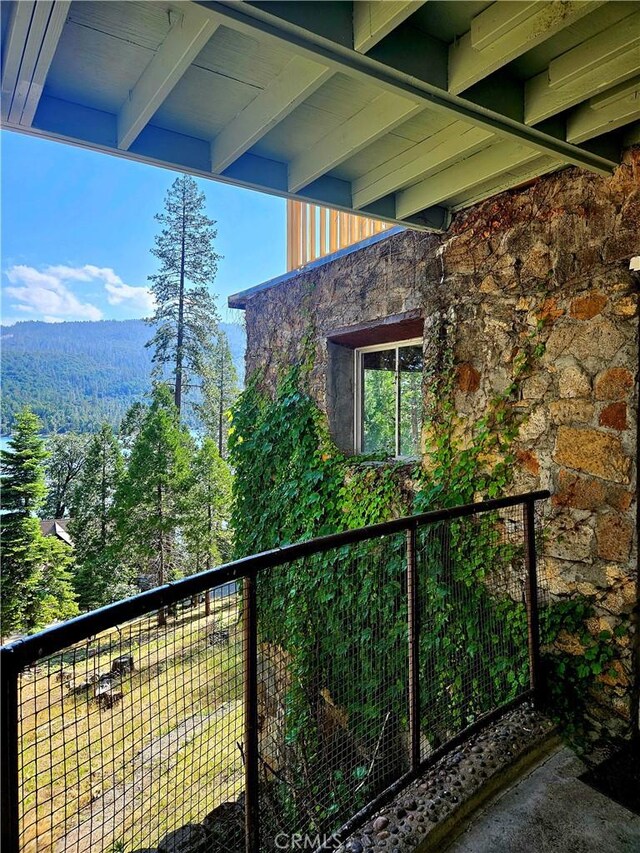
405, 111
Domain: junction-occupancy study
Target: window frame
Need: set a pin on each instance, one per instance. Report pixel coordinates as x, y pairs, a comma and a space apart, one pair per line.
358, 386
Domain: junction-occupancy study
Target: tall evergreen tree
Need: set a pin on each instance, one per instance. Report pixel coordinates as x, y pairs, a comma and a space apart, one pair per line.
219, 392
66, 456
92, 526
208, 510
149, 501
23, 491
185, 317
131, 425
36, 583
51, 592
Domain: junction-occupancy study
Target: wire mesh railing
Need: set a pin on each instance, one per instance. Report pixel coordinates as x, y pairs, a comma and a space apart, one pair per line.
280, 698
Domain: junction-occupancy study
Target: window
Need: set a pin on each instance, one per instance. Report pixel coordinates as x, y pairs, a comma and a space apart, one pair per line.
393, 349
388, 398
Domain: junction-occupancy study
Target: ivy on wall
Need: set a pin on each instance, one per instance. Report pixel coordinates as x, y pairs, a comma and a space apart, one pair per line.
341, 610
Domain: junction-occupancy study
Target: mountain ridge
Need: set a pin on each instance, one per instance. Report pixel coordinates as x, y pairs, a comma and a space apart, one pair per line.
77, 374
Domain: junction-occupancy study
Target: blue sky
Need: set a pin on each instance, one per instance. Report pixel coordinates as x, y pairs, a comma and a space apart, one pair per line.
77, 227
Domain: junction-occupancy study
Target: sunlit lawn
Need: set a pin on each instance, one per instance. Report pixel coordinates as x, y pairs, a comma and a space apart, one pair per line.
165, 755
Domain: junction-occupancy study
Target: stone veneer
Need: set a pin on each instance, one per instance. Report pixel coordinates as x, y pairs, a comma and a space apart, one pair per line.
557, 250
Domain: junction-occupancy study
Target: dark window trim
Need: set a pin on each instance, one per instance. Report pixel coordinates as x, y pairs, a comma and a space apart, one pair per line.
386, 330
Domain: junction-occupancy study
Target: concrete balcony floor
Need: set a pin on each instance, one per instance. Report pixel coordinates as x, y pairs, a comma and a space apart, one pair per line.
554, 809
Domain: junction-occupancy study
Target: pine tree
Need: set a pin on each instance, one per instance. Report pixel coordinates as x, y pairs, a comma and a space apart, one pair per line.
208, 510
51, 587
131, 424
149, 501
219, 392
92, 525
32, 566
66, 456
185, 317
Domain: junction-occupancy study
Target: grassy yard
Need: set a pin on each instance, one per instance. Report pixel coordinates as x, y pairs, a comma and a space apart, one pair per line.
167, 753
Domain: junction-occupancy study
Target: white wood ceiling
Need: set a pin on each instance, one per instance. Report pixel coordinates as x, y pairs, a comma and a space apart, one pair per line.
402, 110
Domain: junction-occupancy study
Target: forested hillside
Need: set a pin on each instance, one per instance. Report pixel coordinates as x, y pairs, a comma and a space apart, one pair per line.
76, 375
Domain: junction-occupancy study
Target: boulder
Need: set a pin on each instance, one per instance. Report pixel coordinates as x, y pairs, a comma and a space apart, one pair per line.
107, 698
122, 665
219, 637
190, 838
225, 828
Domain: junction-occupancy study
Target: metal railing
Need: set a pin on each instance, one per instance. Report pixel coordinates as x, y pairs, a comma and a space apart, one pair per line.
290, 692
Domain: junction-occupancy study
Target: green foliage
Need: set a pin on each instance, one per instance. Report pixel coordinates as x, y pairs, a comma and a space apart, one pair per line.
454, 474
77, 375
572, 676
219, 392
149, 500
287, 472
65, 461
338, 615
50, 588
23, 483
291, 483
185, 318
99, 576
36, 581
208, 508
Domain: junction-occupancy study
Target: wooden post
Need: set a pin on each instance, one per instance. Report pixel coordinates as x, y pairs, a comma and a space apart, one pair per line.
304, 234
323, 231
290, 204
312, 255
333, 230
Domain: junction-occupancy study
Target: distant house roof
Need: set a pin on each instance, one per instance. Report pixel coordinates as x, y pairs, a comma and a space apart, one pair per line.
56, 527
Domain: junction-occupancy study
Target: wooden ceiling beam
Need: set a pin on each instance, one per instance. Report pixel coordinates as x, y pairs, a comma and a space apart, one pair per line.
599, 63
373, 20
452, 143
506, 181
184, 41
16, 38
463, 176
605, 112
520, 28
376, 119
498, 20
262, 22
35, 31
297, 81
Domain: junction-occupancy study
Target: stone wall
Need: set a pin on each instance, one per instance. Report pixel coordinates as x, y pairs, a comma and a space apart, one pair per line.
550, 262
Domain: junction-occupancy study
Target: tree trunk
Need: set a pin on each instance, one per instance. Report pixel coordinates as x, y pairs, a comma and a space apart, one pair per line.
180, 330
207, 593
162, 614
221, 401
103, 502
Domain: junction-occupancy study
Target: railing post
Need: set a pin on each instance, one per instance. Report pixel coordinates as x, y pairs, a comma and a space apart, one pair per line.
9, 763
250, 648
413, 633
533, 622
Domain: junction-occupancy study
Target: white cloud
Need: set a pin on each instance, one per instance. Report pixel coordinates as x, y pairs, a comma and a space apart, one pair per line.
47, 292
119, 292
137, 297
